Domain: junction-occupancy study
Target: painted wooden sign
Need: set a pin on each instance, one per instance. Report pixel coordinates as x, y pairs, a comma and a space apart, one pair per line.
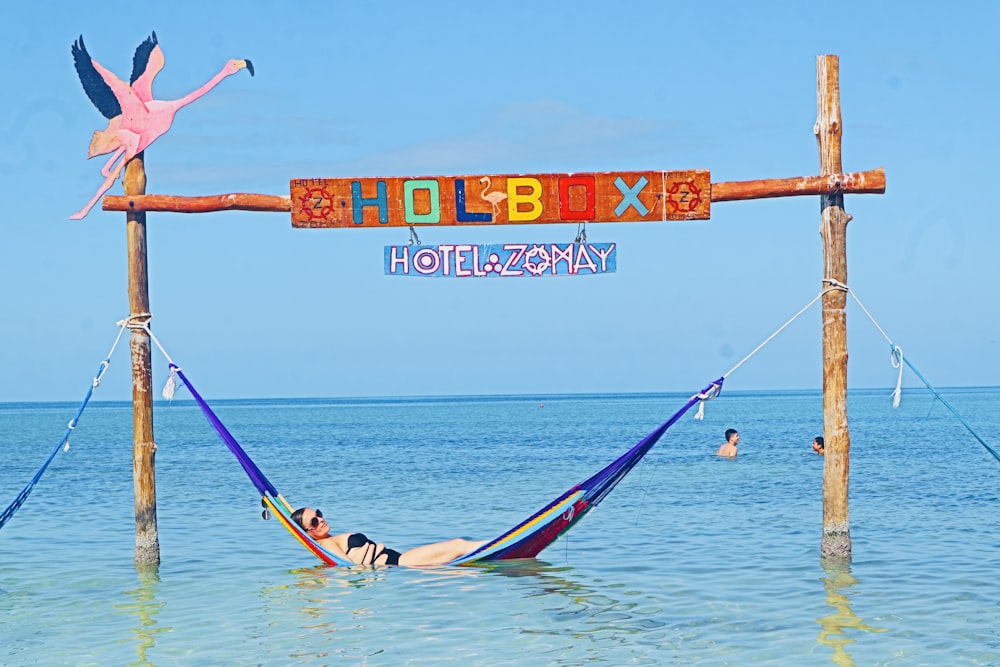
632, 196
508, 260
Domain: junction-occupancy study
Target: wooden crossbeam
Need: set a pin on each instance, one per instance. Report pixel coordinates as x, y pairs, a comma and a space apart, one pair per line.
864, 182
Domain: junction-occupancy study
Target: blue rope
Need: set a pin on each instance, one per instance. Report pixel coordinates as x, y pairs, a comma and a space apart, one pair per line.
948, 405
26, 491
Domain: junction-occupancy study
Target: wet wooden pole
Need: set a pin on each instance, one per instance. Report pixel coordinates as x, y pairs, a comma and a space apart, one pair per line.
836, 541
147, 540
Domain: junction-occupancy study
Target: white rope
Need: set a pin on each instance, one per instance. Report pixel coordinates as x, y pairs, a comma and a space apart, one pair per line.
141, 321
896, 359
895, 353
714, 390
780, 329
96, 382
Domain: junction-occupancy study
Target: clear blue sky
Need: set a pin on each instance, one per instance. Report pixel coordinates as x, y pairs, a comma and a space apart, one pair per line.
251, 307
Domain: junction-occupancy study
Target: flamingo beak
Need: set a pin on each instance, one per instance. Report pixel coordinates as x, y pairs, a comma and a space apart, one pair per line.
249, 66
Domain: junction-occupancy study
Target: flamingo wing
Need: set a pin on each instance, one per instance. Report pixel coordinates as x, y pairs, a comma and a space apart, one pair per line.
97, 89
131, 106
146, 64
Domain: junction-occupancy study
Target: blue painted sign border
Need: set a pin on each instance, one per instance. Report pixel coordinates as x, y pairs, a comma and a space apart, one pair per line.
501, 260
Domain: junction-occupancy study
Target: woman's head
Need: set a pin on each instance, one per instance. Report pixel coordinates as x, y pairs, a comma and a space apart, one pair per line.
308, 519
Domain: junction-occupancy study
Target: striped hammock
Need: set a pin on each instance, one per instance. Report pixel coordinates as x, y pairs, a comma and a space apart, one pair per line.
525, 540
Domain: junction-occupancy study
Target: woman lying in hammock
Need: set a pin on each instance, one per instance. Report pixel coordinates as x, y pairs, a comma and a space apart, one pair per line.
357, 548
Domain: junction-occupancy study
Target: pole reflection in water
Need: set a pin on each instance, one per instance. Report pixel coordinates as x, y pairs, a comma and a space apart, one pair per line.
145, 608
838, 583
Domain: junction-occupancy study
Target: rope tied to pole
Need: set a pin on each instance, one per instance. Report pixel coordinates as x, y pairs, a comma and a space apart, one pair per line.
897, 359
63, 443
835, 285
136, 321
171, 386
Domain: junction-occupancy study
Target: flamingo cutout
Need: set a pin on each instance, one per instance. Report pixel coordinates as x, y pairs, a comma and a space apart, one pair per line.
135, 119
493, 198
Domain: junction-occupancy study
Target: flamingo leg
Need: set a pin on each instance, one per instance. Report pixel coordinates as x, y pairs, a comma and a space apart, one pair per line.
130, 152
106, 169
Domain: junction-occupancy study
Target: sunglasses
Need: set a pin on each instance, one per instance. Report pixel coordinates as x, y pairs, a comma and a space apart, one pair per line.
314, 522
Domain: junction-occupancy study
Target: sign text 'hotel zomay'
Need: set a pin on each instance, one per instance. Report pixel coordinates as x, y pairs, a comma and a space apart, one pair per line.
634, 196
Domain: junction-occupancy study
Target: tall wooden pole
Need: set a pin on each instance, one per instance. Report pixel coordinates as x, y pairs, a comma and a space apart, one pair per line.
836, 542
147, 540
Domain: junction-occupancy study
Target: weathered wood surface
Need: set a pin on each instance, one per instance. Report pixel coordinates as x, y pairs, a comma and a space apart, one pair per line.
237, 201
865, 182
836, 540
147, 541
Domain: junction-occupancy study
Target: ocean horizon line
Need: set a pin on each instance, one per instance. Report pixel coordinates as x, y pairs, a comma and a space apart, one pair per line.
533, 396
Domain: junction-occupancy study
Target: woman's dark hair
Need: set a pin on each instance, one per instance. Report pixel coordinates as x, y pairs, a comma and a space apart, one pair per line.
297, 517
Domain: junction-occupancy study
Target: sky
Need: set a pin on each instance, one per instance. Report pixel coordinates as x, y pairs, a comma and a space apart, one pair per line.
250, 307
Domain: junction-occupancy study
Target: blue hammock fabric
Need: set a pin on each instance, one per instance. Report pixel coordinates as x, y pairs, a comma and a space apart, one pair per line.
26, 491
525, 540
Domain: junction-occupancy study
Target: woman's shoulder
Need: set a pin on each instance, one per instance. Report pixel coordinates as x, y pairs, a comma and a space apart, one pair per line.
341, 539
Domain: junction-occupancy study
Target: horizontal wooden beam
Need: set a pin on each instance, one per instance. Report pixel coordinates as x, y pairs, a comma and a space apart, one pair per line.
236, 201
863, 182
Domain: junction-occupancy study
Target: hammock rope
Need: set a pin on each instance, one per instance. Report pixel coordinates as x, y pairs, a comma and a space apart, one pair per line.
708, 395
63, 443
897, 360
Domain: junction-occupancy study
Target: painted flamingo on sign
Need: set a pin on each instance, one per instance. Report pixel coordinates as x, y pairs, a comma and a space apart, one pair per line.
135, 119
494, 197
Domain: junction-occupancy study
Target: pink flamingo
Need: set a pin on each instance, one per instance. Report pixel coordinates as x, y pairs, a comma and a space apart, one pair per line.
135, 119
493, 198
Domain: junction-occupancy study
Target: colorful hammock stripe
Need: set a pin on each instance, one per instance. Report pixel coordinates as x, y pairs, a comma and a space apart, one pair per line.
526, 540
547, 525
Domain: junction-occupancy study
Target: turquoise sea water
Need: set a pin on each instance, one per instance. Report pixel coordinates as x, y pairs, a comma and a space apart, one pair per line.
692, 560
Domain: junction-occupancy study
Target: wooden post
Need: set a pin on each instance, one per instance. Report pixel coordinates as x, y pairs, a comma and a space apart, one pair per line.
147, 541
836, 542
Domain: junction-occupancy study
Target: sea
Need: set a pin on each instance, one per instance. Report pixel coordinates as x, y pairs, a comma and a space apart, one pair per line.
692, 560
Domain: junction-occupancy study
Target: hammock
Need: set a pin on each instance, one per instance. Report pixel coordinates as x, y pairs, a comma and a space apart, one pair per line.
524, 540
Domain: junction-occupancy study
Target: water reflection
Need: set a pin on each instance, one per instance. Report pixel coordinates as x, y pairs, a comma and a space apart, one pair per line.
838, 583
350, 613
145, 608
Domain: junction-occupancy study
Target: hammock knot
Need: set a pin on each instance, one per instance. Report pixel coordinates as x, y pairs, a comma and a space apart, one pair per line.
704, 396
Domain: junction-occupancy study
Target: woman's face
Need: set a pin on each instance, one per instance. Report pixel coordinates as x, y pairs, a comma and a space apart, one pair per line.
315, 525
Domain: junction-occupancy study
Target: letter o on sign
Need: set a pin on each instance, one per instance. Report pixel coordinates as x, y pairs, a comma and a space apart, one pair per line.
426, 261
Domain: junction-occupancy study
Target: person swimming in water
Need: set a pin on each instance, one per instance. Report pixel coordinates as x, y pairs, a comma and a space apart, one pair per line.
357, 548
729, 448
